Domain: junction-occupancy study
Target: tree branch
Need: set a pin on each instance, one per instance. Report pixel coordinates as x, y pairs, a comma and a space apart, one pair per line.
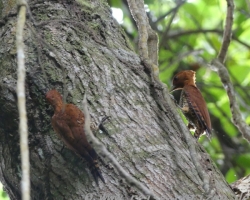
23, 127
228, 86
182, 33
148, 39
218, 65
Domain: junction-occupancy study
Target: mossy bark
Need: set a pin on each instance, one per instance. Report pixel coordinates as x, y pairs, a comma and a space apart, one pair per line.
77, 48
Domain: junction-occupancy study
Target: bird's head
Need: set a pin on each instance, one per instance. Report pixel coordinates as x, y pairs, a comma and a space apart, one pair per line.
54, 98
183, 78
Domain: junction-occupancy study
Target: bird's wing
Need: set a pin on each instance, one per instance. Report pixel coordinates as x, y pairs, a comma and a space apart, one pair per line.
63, 130
69, 125
197, 102
76, 120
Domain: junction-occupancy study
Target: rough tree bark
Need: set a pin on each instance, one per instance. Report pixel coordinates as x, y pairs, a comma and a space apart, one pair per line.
77, 47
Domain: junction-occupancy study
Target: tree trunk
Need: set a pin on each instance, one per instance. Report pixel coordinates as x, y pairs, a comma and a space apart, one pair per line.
77, 47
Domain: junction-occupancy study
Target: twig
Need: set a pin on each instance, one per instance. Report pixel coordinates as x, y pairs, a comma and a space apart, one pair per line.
23, 128
148, 39
227, 32
179, 4
101, 150
165, 34
218, 65
237, 119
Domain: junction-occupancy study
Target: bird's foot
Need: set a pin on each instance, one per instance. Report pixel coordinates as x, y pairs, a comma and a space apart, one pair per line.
101, 127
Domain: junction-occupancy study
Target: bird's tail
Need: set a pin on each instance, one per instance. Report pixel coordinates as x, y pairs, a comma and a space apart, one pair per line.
96, 172
209, 134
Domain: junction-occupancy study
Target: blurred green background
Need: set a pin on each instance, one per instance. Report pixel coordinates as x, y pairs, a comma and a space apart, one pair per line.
190, 36
3, 195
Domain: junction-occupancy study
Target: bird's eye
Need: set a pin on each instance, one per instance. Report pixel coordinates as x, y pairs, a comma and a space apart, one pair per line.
175, 78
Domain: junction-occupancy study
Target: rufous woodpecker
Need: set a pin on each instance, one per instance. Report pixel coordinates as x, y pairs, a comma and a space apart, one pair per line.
192, 103
68, 122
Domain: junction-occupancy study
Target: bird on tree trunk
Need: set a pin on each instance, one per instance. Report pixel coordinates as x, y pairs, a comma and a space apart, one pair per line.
192, 103
68, 122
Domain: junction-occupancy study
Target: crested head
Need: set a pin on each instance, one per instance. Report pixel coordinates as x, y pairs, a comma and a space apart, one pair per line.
182, 79
54, 98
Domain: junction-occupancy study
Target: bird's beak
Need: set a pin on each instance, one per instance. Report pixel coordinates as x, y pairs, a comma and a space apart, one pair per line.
173, 88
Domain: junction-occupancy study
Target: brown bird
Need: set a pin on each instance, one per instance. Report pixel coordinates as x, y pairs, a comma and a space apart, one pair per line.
192, 103
68, 122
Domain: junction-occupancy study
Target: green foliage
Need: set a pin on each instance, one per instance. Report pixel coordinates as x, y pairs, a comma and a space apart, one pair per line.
3, 195
192, 42
230, 176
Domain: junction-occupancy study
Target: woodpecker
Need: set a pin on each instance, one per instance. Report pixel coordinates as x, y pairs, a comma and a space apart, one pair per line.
68, 122
192, 103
